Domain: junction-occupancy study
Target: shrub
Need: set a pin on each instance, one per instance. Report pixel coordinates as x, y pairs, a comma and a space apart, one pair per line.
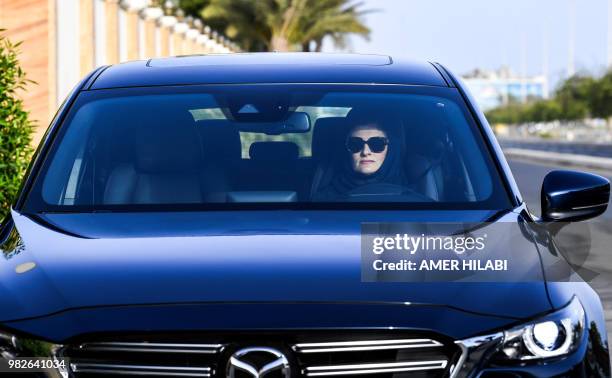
15, 127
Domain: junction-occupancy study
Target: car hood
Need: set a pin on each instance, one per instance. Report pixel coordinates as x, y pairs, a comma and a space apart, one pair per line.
71, 262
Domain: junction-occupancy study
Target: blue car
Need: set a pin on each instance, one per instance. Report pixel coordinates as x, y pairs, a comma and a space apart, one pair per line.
210, 216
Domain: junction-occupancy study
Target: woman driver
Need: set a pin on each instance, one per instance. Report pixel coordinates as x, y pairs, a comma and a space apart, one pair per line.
371, 157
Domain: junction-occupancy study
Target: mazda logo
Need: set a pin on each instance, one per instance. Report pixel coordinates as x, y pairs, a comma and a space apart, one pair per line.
258, 362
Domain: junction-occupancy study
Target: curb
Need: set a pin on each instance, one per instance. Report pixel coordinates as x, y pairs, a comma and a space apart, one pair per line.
586, 161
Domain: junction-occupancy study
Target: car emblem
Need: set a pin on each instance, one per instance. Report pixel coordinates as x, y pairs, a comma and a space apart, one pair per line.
257, 362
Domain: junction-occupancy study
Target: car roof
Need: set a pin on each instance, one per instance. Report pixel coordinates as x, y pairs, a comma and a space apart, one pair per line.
270, 67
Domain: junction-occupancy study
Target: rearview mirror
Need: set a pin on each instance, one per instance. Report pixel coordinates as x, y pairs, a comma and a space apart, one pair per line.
297, 122
573, 196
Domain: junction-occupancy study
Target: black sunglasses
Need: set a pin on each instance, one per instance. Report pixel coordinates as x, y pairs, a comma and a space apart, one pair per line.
376, 144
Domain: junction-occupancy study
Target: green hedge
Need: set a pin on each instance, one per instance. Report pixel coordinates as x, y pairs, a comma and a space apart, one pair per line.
578, 97
15, 127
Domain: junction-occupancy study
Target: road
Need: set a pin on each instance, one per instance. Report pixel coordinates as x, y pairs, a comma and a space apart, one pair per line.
529, 178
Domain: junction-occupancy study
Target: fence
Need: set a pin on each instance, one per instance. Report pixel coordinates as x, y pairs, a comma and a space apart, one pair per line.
65, 39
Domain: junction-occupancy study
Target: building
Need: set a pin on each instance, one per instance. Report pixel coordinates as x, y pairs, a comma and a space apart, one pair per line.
494, 88
65, 39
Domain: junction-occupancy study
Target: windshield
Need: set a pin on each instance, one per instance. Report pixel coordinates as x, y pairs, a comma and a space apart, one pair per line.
306, 146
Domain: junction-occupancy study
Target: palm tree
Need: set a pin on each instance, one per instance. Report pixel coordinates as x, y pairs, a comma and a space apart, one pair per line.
334, 18
283, 25
243, 22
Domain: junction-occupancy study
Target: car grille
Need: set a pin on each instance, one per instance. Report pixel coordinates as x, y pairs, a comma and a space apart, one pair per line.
313, 354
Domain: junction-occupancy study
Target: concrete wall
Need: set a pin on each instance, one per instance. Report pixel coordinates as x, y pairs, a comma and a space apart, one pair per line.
29, 21
63, 40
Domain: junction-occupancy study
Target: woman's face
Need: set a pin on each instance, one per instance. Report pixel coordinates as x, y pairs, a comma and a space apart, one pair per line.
365, 161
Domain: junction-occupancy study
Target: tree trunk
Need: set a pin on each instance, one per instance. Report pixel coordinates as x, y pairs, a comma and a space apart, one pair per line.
318, 45
279, 43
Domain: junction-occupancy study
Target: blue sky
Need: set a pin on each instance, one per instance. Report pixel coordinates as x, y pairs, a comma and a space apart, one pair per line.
465, 34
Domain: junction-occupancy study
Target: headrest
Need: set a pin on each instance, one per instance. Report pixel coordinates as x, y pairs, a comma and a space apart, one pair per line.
416, 166
220, 139
325, 136
425, 133
167, 143
274, 151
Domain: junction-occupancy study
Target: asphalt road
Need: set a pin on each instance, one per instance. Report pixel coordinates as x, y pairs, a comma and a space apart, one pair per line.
529, 176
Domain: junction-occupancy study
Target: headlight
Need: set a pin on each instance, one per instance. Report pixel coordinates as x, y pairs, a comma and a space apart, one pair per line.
8, 346
554, 335
11, 345
23, 348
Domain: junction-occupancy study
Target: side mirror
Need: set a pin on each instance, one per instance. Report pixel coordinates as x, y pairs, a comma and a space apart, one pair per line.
572, 196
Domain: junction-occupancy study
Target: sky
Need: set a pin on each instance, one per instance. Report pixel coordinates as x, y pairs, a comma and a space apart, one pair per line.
468, 34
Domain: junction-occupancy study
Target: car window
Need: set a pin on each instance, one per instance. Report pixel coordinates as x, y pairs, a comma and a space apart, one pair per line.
229, 147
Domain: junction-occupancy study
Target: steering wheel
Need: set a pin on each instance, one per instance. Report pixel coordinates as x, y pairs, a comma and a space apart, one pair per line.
387, 192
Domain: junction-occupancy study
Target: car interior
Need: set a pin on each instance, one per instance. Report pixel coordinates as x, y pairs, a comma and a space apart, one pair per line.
171, 157
201, 162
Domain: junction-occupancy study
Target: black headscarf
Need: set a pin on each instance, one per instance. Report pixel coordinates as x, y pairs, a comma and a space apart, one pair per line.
345, 179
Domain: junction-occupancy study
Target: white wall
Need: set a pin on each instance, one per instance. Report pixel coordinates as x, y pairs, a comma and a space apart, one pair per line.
68, 52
